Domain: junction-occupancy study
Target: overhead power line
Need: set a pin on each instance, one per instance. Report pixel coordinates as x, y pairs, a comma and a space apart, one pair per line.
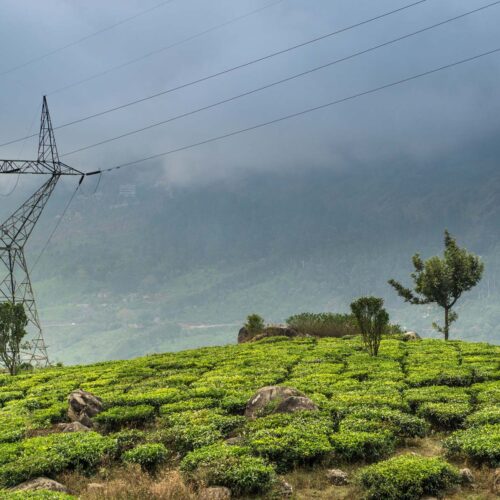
284, 80
299, 113
86, 37
163, 49
229, 70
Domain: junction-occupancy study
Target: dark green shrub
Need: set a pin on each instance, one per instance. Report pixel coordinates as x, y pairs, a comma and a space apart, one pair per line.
323, 324
480, 444
185, 431
125, 415
435, 394
408, 477
230, 466
399, 423
149, 456
50, 454
128, 439
372, 320
290, 445
453, 377
445, 415
486, 415
254, 324
353, 446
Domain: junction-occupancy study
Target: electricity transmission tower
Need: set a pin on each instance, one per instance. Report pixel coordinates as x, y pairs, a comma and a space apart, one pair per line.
15, 283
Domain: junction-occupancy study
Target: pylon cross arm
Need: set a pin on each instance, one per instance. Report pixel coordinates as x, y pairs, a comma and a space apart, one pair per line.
36, 167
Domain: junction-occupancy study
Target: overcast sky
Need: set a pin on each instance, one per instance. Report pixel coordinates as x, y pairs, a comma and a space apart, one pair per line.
419, 120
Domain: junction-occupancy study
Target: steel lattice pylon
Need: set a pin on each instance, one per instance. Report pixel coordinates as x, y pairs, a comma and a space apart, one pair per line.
15, 284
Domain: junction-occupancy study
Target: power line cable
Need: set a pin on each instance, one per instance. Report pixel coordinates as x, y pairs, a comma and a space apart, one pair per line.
229, 70
84, 38
278, 82
299, 113
163, 49
55, 228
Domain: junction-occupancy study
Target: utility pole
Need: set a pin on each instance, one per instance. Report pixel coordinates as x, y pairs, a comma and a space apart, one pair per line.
15, 283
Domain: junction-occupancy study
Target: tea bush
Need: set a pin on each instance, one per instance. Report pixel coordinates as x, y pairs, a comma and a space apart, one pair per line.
35, 495
400, 424
352, 446
292, 439
51, 454
230, 466
149, 456
480, 444
445, 415
486, 415
408, 477
125, 415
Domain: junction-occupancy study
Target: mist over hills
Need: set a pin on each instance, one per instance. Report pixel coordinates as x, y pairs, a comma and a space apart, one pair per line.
142, 266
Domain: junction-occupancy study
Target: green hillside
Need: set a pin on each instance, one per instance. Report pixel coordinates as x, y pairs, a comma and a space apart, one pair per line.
421, 411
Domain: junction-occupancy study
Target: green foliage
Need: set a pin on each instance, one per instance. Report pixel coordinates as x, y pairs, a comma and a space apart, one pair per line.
51, 454
323, 324
125, 415
189, 430
443, 280
149, 456
480, 444
290, 439
13, 321
445, 415
486, 415
352, 446
408, 477
372, 320
377, 419
34, 495
128, 439
230, 466
434, 394
254, 324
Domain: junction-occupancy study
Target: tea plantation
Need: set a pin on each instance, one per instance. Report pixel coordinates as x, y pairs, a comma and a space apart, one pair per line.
184, 412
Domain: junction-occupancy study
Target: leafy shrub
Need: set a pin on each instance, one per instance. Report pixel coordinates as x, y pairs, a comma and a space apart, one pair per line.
453, 377
35, 495
149, 456
323, 324
230, 466
445, 415
10, 395
408, 477
399, 423
486, 415
480, 444
127, 439
435, 394
254, 324
352, 446
155, 397
372, 320
53, 453
124, 415
293, 444
185, 431
190, 404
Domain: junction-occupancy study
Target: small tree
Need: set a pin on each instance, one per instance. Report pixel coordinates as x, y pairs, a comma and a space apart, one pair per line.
13, 321
372, 320
443, 280
255, 324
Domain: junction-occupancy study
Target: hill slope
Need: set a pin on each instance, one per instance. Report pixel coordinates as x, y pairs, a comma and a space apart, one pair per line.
126, 276
168, 411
